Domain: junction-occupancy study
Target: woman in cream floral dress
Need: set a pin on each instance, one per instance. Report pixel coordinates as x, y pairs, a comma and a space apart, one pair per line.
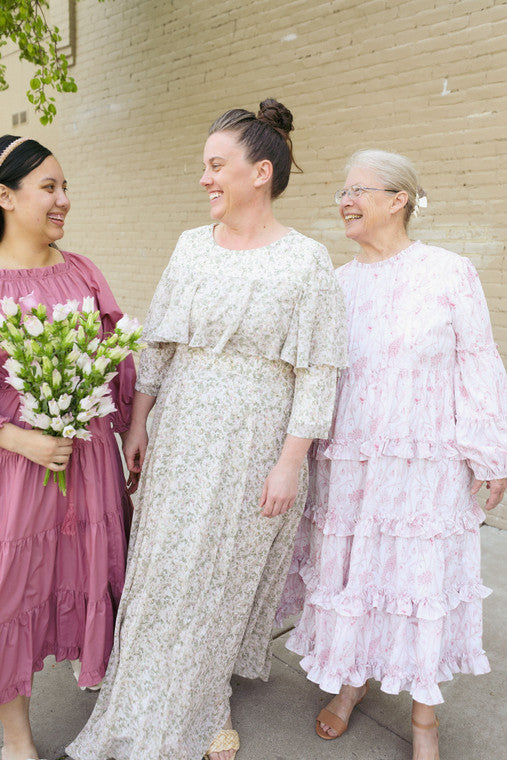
387, 562
245, 334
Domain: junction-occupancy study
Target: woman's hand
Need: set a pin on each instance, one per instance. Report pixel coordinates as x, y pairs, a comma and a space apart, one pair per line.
280, 489
47, 450
135, 440
281, 485
496, 489
135, 443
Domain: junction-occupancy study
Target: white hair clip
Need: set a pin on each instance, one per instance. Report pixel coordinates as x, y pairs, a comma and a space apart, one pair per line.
421, 201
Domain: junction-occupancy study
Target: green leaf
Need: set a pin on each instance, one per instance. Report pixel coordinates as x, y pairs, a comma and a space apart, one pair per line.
24, 23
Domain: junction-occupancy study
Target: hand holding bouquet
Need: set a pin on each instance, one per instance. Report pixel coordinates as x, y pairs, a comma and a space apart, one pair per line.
62, 368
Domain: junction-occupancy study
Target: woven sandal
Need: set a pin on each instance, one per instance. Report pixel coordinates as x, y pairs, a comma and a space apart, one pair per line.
224, 740
334, 721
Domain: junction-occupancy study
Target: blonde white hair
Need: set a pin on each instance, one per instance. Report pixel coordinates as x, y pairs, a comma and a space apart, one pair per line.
396, 172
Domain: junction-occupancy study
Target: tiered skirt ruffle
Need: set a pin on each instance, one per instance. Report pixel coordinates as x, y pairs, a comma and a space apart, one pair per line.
62, 563
387, 569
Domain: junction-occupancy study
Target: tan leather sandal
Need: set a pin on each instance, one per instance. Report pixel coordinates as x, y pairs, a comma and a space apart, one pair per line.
334, 721
226, 739
426, 725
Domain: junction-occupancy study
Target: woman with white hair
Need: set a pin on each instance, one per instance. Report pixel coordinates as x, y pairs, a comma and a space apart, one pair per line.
387, 562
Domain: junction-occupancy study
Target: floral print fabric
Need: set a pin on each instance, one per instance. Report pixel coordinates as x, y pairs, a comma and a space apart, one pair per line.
243, 347
387, 555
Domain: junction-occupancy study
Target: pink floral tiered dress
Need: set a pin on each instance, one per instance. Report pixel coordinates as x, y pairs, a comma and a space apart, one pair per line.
387, 560
62, 558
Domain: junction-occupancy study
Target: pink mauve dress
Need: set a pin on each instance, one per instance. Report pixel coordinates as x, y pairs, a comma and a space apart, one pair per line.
387, 559
62, 559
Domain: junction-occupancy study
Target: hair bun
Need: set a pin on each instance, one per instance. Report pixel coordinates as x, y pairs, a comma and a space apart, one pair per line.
276, 115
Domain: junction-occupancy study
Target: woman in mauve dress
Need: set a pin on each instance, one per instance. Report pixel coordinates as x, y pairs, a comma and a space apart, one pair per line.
62, 558
245, 334
387, 560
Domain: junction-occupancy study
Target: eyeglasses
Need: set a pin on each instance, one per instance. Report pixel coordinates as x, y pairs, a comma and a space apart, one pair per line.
355, 191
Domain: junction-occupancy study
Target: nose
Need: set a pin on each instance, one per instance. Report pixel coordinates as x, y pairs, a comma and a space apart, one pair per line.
62, 199
205, 179
345, 200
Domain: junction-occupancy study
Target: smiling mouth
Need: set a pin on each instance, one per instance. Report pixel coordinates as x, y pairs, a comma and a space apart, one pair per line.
213, 196
351, 217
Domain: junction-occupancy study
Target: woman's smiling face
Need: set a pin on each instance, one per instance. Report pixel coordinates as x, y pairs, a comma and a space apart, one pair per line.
40, 204
367, 215
228, 176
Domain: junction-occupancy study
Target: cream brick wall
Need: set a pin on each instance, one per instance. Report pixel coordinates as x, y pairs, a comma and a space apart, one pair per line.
423, 78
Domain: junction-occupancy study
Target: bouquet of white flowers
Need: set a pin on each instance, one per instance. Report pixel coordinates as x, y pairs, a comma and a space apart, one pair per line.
61, 367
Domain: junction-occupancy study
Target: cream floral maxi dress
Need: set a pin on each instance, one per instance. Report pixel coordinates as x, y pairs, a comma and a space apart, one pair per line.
243, 349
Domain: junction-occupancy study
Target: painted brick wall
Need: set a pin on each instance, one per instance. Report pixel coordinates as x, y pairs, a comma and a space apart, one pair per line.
424, 78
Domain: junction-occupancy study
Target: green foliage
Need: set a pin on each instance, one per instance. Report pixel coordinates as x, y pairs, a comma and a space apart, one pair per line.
24, 22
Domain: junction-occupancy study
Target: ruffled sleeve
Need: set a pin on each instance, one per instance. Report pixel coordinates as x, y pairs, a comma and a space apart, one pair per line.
168, 316
312, 406
152, 367
122, 386
317, 332
164, 310
316, 346
480, 381
281, 302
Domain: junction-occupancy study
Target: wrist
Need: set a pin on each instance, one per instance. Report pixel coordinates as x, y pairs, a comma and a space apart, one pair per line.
11, 437
137, 423
290, 461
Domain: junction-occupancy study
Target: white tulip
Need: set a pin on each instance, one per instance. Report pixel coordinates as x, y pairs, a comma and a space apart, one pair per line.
9, 306
43, 421
85, 363
100, 364
29, 401
16, 382
57, 424
127, 324
12, 366
27, 415
64, 401
88, 304
87, 403
33, 326
46, 391
106, 406
54, 408
85, 416
85, 435
60, 312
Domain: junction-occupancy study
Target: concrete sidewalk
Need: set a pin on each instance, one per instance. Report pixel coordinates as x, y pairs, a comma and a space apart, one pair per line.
276, 720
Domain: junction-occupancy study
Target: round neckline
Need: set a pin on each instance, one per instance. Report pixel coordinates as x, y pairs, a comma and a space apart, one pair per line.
385, 262
211, 228
40, 271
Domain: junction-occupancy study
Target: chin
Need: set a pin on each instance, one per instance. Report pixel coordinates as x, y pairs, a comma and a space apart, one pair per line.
351, 236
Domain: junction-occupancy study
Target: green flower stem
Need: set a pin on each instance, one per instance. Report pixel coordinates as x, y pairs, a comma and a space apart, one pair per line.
60, 479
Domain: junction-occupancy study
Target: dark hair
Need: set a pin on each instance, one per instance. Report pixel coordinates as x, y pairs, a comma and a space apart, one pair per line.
265, 136
22, 160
